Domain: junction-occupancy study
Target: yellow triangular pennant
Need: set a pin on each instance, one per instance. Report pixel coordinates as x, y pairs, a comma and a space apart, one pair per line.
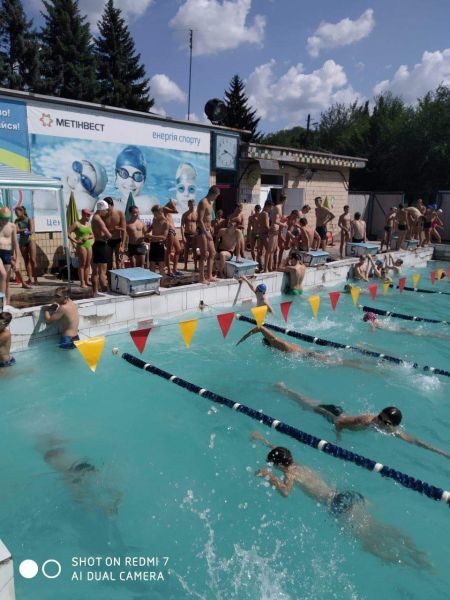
355, 291
325, 203
415, 279
440, 272
385, 287
91, 350
259, 312
187, 329
315, 303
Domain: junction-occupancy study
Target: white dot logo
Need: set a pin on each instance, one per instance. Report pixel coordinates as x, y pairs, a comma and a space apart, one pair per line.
28, 569
53, 573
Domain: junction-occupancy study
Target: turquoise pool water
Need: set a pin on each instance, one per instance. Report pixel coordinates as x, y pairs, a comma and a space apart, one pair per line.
180, 470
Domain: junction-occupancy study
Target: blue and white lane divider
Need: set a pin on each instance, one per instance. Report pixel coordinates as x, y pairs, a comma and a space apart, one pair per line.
389, 313
431, 491
420, 290
321, 342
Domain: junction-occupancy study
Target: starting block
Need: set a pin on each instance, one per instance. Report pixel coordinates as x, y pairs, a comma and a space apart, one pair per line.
407, 244
313, 258
234, 269
361, 249
134, 282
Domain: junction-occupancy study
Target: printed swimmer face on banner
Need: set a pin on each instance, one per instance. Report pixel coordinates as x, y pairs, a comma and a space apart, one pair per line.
131, 174
186, 185
87, 180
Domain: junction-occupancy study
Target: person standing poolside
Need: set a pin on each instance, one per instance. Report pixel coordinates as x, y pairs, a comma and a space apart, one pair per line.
260, 292
348, 508
205, 240
81, 236
238, 217
262, 232
228, 243
27, 244
137, 249
189, 233
252, 229
389, 224
386, 421
275, 216
295, 271
344, 224
309, 238
157, 236
6, 359
323, 217
415, 222
100, 251
436, 224
67, 314
9, 249
361, 269
402, 225
173, 247
428, 216
358, 229
116, 224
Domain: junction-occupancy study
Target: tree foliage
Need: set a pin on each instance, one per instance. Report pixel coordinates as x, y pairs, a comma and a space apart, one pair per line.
120, 76
240, 115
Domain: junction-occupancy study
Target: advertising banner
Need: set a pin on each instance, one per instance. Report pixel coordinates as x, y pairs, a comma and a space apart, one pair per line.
13, 134
96, 155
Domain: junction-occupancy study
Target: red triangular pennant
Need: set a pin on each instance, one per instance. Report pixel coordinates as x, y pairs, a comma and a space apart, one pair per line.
139, 338
334, 299
285, 307
373, 289
401, 283
433, 276
225, 321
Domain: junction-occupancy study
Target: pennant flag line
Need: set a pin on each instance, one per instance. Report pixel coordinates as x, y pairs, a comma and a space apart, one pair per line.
401, 283
259, 312
355, 291
225, 321
285, 307
315, 303
334, 299
91, 350
187, 329
139, 337
440, 274
433, 276
385, 287
416, 279
373, 290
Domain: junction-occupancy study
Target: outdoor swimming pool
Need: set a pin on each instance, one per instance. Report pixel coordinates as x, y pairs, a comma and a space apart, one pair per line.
181, 469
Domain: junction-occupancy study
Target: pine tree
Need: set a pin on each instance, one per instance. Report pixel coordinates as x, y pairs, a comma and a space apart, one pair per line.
68, 64
19, 56
240, 115
121, 77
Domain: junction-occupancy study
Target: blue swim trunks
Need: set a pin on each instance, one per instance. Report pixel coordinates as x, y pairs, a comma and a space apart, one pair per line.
343, 502
66, 342
7, 363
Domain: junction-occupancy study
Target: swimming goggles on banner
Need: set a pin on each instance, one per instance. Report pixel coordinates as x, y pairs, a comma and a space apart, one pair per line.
137, 176
86, 181
182, 189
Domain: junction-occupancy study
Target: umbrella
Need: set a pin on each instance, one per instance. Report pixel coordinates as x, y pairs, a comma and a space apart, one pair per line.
130, 204
72, 211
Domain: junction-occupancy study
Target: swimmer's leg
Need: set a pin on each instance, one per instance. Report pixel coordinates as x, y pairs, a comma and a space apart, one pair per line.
329, 411
248, 334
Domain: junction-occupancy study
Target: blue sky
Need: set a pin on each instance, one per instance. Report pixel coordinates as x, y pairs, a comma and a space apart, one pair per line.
296, 57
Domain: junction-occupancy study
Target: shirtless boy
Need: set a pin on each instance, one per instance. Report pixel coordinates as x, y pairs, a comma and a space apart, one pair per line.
295, 270
66, 314
157, 237
309, 238
344, 224
260, 292
358, 229
9, 249
323, 217
173, 247
275, 216
136, 245
252, 231
115, 222
237, 216
6, 360
100, 251
262, 232
361, 269
402, 225
205, 239
389, 224
228, 242
189, 233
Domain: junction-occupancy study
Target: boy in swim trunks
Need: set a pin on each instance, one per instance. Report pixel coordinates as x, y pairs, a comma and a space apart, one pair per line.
205, 240
260, 292
157, 236
6, 360
67, 313
389, 224
101, 253
349, 508
295, 271
386, 421
9, 249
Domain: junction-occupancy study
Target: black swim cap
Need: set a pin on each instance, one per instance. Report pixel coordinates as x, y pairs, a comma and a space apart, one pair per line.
392, 413
280, 456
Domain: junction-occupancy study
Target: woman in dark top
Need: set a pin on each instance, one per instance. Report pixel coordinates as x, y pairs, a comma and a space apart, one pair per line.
27, 243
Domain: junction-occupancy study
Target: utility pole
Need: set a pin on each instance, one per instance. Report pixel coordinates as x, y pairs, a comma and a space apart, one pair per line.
190, 72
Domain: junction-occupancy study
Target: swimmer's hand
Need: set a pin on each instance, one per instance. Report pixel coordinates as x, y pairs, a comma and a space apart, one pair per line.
280, 385
263, 473
255, 435
49, 306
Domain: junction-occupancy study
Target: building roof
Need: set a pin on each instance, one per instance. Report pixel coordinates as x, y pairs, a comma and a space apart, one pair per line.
11, 178
299, 156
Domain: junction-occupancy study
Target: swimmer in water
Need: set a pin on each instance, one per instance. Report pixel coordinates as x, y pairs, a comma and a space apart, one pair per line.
375, 323
83, 478
387, 421
260, 292
348, 508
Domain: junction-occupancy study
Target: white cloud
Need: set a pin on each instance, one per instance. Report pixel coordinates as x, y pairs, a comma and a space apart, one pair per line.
163, 89
424, 76
335, 35
218, 24
289, 98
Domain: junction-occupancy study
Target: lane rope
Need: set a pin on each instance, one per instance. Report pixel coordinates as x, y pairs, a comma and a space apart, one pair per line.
430, 491
388, 313
321, 342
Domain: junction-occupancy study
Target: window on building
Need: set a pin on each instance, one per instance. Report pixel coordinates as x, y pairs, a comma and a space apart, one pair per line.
272, 179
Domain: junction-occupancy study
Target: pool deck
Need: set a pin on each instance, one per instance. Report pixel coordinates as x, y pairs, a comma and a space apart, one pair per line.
113, 312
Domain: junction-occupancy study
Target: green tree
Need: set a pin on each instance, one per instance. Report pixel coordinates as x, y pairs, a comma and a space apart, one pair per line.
239, 114
68, 68
19, 56
121, 76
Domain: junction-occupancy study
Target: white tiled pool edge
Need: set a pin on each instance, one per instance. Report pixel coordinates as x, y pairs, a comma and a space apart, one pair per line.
101, 316
6, 574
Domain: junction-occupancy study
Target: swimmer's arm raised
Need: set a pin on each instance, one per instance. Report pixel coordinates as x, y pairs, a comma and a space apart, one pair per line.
284, 488
250, 285
412, 440
256, 436
247, 335
58, 314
